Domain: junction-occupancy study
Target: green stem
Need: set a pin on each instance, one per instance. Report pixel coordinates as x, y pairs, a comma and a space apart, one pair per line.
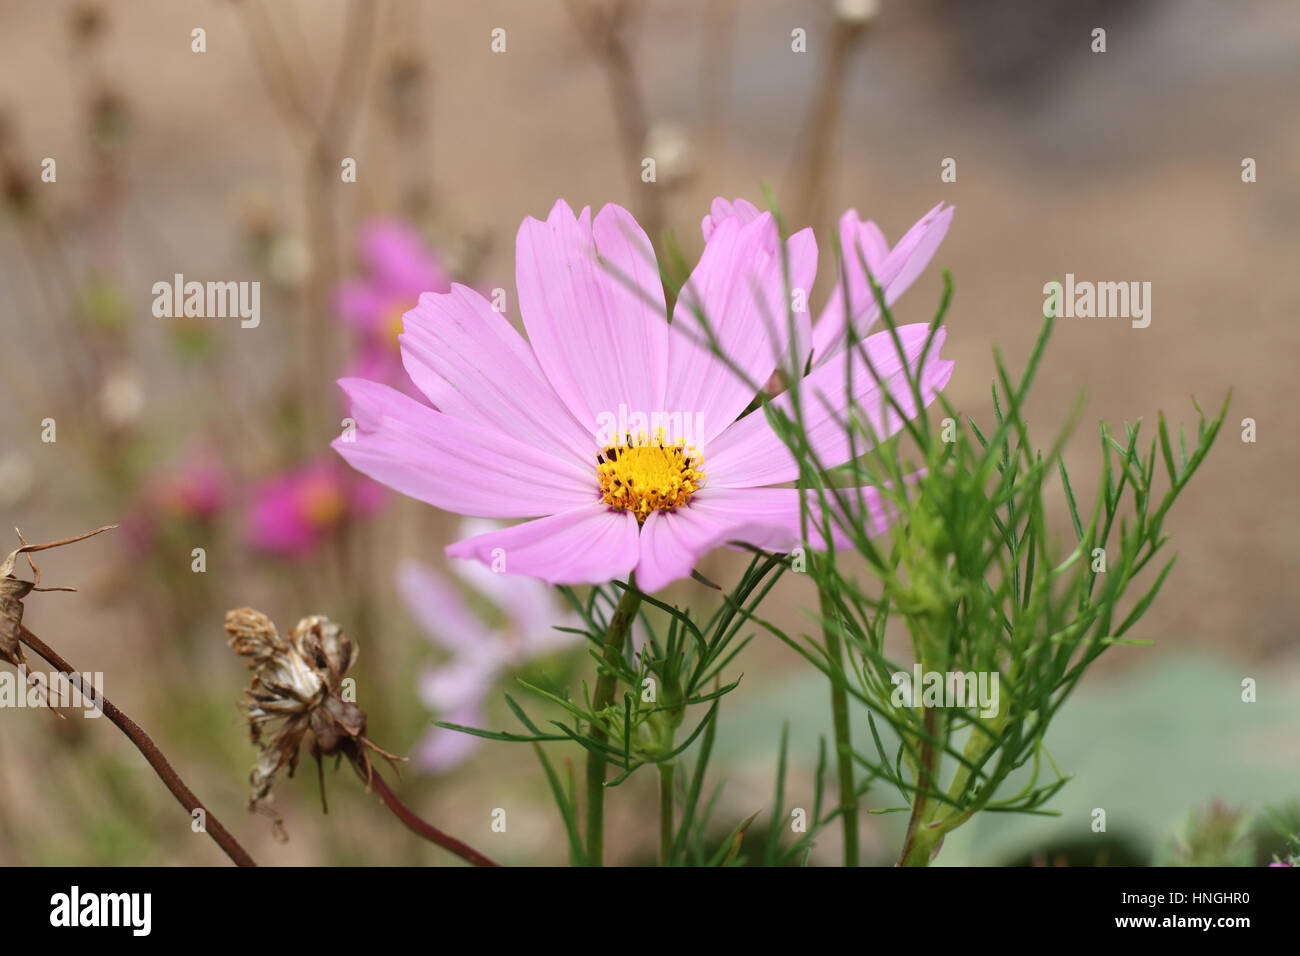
666, 813
919, 844
606, 683
972, 752
843, 744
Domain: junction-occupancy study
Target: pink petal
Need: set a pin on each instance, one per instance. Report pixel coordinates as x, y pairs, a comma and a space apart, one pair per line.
529, 606
437, 606
593, 305
742, 209
893, 269
472, 364
767, 518
531, 610
739, 286
381, 363
671, 543
749, 453
544, 636
363, 303
587, 545
458, 683
441, 749
399, 258
452, 464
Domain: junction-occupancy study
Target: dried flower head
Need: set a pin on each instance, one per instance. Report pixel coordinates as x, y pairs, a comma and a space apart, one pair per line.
298, 688
13, 589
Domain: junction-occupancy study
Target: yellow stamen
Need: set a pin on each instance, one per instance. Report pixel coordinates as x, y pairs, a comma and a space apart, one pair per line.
648, 474
394, 324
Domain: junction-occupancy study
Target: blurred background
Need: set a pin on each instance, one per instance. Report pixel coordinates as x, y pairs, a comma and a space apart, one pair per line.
226, 165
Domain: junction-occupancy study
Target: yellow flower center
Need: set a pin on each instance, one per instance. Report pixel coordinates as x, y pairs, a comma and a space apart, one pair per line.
322, 504
394, 324
648, 474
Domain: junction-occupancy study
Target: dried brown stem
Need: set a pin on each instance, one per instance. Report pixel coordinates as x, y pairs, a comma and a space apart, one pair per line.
604, 28
811, 175
322, 140
409, 817
144, 743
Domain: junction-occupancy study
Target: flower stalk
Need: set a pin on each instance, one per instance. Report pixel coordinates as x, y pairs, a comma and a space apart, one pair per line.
666, 770
615, 641
409, 818
843, 736
921, 840
152, 753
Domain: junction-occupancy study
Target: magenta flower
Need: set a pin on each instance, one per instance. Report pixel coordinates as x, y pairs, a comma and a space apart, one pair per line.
398, 267
613, 430
196, 490
294, 513
192, 492
456, 690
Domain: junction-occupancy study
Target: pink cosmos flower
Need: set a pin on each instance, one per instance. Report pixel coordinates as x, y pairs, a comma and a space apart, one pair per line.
399, 266
457, 689
614, 430
294, 513
894, 269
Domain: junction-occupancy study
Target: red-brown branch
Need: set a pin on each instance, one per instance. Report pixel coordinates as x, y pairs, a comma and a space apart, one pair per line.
144, 743
423, 827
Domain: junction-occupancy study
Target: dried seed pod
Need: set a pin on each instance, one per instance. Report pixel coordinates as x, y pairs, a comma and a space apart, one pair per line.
324, 643
297, 689
13, 589
12, 592
252, 634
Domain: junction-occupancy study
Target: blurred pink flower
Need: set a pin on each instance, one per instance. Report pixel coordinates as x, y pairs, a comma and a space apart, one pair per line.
295, 512
457, 689
526, 429
197, 491
398, 267
193, 491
